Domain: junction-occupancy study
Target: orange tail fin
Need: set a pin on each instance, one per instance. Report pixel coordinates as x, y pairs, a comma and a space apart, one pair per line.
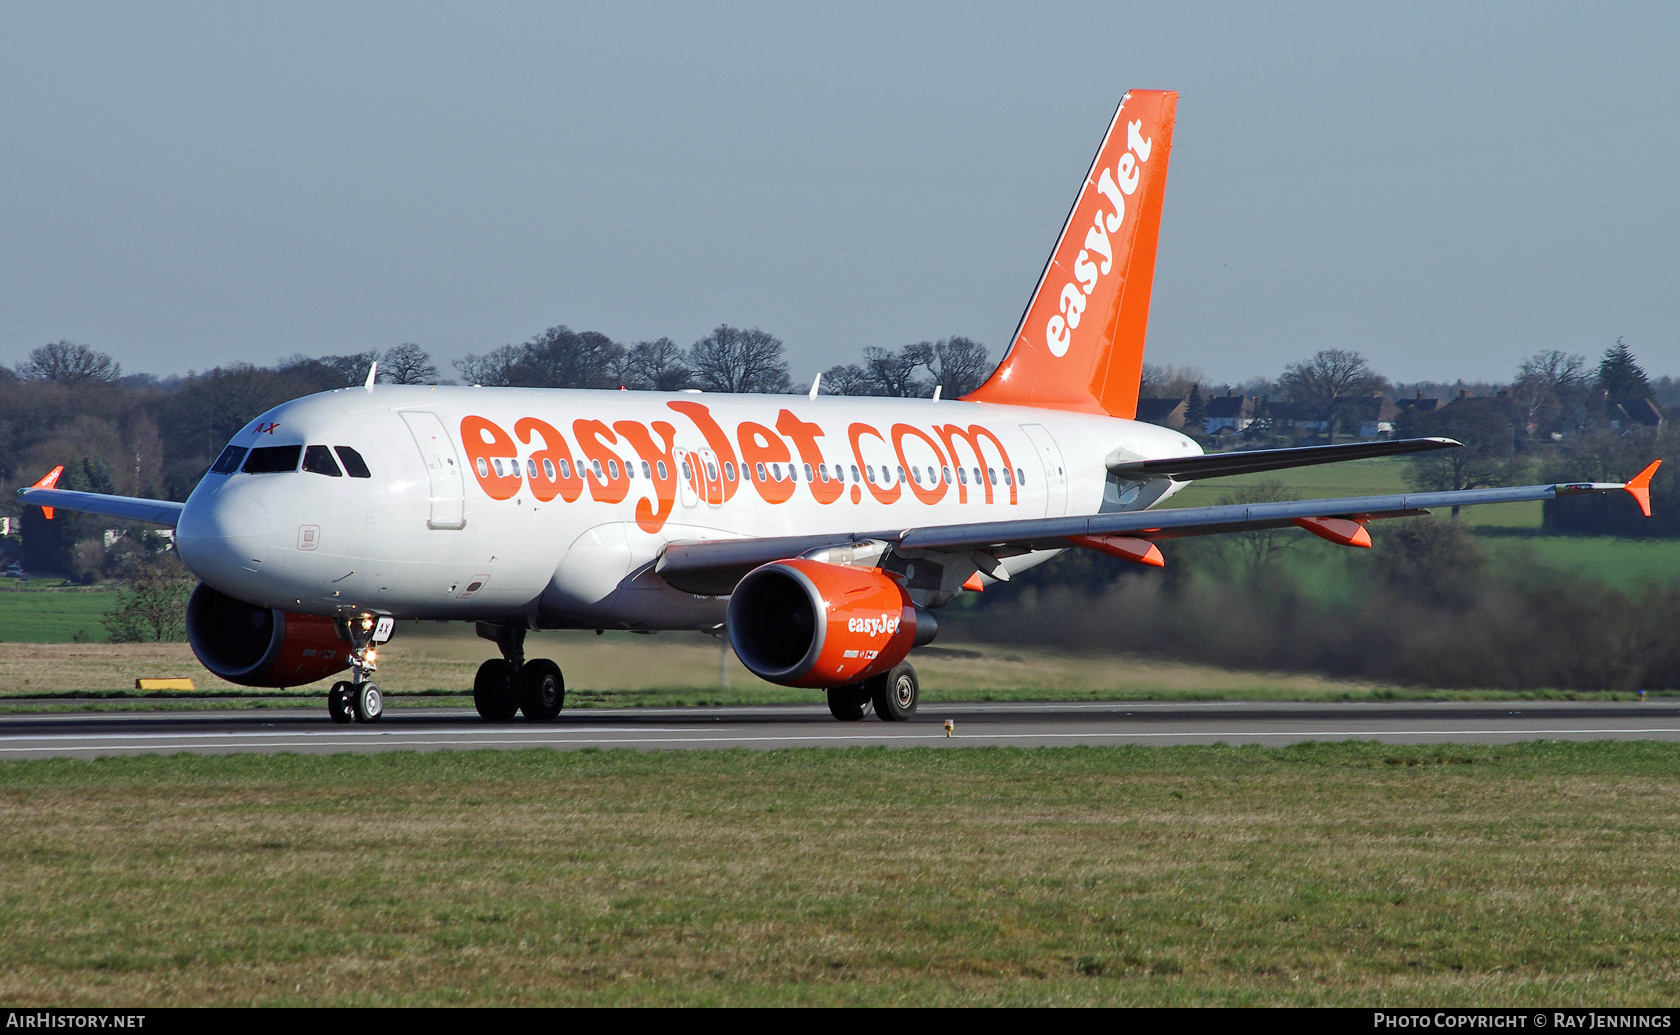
1080, 342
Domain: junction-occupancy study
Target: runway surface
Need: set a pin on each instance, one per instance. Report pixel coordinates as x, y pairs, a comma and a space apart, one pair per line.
1028, 724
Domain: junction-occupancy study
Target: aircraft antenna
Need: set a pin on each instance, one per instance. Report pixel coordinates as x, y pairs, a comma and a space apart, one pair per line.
816, 382
373, 372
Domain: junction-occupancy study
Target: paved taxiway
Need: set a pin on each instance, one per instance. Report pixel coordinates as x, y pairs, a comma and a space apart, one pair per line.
1030, 724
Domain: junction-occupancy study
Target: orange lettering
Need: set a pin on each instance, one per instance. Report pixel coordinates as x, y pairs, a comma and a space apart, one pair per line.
972, 436
760, 448
603, 486
556, 456
489, 450
883, 495
926, 493
652, 516
805, 437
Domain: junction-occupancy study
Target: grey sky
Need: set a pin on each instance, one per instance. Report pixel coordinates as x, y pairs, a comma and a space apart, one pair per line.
1445, 189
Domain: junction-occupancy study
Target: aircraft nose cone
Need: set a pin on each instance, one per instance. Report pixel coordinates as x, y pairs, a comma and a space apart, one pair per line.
223, 538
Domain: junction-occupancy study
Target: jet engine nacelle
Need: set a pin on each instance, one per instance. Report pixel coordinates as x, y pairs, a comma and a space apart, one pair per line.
811, 624
262, 646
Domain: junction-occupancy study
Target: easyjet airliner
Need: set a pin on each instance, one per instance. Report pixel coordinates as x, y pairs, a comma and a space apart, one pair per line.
819, 534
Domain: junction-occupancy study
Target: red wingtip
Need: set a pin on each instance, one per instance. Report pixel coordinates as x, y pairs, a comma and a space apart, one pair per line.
46, 483
1640, 487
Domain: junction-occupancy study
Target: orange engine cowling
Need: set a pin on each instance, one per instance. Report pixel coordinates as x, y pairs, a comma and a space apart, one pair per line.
812, 624
262, 646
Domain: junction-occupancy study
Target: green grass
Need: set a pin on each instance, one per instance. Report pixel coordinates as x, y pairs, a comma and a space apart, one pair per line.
1627, 564
39, 615
1319, 874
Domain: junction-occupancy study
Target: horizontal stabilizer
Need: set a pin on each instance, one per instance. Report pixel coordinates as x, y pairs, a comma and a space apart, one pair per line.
1221, 465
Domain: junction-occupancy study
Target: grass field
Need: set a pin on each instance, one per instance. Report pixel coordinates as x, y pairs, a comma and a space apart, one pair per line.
623, 669
38, 615
1320, 874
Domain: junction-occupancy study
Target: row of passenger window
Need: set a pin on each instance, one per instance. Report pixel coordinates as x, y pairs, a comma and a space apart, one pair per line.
932, 475
284, 459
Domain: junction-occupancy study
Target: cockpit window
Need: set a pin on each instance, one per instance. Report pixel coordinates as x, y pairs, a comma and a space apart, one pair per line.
228, 462
318, 460
354, 465
272, 459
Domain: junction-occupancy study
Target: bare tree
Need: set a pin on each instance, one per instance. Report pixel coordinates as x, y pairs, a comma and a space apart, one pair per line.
732, 359
1169, 381
1326, 384
658, 366
1560, 371
144, 446
497, 368
892, 372
1549, 387
407, 364
563, 358
153, 606
66, 363
959, 364
846, 379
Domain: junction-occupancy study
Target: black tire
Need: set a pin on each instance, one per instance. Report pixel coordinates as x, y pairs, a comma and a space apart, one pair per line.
493, 693
367, 702
338, 703
541, 690
895, 693
849, 703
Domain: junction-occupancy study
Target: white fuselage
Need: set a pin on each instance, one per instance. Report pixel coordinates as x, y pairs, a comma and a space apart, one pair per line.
469, 512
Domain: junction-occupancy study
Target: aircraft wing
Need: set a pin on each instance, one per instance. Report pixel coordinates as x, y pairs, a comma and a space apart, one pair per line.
128, 508
1253, 461
714, 566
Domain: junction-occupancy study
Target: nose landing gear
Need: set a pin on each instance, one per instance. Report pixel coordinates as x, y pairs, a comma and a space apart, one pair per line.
510, 684
359, 700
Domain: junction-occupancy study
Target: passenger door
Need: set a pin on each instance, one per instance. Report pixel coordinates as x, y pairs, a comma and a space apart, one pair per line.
443, 468
1054, 475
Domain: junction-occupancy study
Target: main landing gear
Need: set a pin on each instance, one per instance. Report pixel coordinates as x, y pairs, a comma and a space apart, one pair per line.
893, 694
359, 699
510, 684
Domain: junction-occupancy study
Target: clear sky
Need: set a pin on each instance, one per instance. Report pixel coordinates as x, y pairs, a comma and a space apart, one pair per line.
1444, 188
